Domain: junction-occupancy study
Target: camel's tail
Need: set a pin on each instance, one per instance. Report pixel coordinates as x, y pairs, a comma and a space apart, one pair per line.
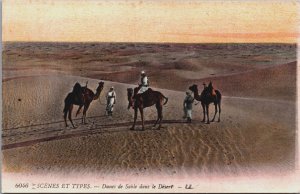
166, 100
65, 108
67, 99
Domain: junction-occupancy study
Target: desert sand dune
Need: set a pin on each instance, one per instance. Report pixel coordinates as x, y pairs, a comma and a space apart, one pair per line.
249, 137
114, 61
256, 134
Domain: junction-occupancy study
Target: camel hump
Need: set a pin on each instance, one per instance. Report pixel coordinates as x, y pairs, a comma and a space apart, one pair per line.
77, 88
209, 90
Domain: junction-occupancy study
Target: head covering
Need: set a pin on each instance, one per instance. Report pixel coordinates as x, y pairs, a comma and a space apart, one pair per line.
188, 93
111, 87
142, 72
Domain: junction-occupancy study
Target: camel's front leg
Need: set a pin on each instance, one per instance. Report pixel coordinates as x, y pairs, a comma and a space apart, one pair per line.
85, 108
142, 116
78, 111
156, 122
207, 113
203, 108
135, 116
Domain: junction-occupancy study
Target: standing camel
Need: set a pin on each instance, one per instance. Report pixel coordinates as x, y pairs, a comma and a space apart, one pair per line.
206, 98
144, 100
87, 97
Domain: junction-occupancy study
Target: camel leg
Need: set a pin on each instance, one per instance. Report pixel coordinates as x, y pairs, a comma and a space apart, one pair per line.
78, 111
65, 117
157, 109
134, 120
156, 121
82, 118
207, 113
160, 116
203, 108
142, 117
219, 104
70, 115
84, 113
216, 110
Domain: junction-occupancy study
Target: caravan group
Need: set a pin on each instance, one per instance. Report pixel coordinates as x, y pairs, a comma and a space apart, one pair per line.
142, 97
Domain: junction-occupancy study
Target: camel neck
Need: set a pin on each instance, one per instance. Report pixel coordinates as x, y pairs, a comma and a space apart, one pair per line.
97, 95
196, 94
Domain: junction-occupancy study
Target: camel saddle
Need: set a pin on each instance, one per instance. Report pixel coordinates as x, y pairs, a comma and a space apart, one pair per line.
78, 91
213, 92
211, 89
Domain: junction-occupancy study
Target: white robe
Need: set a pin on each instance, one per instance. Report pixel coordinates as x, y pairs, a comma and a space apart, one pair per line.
187, 108
144, 84
110, 98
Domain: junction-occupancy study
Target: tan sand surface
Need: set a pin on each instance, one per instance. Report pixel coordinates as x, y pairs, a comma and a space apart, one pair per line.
254, 134
257, 132
122, 62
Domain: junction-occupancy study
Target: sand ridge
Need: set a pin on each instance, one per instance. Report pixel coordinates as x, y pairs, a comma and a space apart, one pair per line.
256, 133
108, 146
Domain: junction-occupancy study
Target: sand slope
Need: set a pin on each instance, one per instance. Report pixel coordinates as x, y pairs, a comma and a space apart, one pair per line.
254, 134
122, 62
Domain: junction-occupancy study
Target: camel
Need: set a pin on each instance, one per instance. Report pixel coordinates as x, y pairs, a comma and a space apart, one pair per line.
87, 97
206, 98
144, 100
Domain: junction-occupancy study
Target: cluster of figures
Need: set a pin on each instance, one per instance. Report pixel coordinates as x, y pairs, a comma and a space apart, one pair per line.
83, 96
139, 98
111, 94
189, 100
111, 97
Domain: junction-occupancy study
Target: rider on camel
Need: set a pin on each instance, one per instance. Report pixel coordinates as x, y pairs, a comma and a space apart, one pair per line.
144, 83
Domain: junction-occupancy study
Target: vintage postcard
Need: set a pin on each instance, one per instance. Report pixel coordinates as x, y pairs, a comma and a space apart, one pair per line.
149, 96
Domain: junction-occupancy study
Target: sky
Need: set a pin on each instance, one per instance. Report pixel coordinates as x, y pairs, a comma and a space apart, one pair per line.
188, 21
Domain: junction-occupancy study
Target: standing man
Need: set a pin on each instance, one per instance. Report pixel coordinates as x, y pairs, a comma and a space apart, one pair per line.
187, 107
144, 82
111, 101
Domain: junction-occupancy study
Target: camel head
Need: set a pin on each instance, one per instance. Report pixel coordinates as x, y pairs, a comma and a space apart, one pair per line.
130, 97
100, 86
193, 88
98, 90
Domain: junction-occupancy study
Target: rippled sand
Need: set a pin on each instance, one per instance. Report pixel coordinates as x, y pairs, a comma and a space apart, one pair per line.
257, 132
